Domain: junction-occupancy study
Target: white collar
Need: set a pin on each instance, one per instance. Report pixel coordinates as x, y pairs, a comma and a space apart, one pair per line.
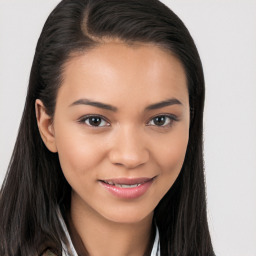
72, 252
156, 246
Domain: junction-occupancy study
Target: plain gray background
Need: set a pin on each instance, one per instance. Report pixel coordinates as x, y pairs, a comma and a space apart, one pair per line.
225, 33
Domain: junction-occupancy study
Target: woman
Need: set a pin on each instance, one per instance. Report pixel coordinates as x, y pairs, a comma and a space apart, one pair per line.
108, 159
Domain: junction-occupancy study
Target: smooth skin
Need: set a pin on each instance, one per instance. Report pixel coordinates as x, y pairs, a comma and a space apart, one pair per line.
125, 139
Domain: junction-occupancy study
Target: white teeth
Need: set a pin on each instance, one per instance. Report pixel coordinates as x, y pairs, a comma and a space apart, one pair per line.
127, 186
122, 185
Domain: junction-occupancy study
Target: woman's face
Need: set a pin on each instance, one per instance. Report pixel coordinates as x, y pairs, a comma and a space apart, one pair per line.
121, 128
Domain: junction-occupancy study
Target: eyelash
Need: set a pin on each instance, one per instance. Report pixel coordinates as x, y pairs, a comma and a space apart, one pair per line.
87, 117
172, 119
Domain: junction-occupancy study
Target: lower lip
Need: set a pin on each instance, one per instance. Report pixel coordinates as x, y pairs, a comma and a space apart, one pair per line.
128, 193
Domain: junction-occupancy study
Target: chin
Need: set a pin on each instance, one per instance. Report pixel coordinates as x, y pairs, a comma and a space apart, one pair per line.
128, 217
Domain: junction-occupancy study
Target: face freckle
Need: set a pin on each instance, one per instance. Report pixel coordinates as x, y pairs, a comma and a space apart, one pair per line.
125, 87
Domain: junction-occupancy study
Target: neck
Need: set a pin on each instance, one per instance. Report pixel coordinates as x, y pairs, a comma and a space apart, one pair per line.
105, 237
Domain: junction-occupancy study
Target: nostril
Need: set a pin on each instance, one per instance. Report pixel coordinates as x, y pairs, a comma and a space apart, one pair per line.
128, 148
128, 160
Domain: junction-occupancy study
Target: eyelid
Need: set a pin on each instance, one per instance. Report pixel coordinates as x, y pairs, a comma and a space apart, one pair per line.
83, 118
172, 117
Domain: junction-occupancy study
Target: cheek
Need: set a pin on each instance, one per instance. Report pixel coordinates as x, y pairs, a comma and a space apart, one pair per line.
171, 155
78, 154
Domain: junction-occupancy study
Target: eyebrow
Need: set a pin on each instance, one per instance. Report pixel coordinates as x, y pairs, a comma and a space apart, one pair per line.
94, 104
161, 104
164, 103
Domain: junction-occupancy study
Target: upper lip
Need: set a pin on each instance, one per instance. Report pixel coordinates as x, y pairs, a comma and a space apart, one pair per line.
128, 181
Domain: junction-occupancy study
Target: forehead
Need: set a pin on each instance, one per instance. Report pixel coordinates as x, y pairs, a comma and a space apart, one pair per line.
116, 70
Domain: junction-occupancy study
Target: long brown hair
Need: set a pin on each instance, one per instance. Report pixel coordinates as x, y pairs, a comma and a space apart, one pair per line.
35, 188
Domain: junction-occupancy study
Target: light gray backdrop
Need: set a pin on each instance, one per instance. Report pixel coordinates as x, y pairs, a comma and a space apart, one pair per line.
225, 33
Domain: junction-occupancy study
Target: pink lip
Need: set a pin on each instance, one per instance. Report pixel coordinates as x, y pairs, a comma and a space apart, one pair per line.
128, 193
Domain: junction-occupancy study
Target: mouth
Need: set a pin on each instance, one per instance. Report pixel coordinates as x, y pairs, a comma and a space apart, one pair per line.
124, 185
127, 182
128, 188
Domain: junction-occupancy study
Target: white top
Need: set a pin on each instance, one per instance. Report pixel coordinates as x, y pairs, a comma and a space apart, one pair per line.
72, 252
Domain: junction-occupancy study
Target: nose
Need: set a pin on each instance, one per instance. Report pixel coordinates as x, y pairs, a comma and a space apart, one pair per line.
129, 149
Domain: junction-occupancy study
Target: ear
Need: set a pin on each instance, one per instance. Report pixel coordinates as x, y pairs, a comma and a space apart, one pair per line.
45, 126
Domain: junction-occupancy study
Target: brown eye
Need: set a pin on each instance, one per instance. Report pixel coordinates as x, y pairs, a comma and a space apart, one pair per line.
162, 120
94, 121
159, 120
